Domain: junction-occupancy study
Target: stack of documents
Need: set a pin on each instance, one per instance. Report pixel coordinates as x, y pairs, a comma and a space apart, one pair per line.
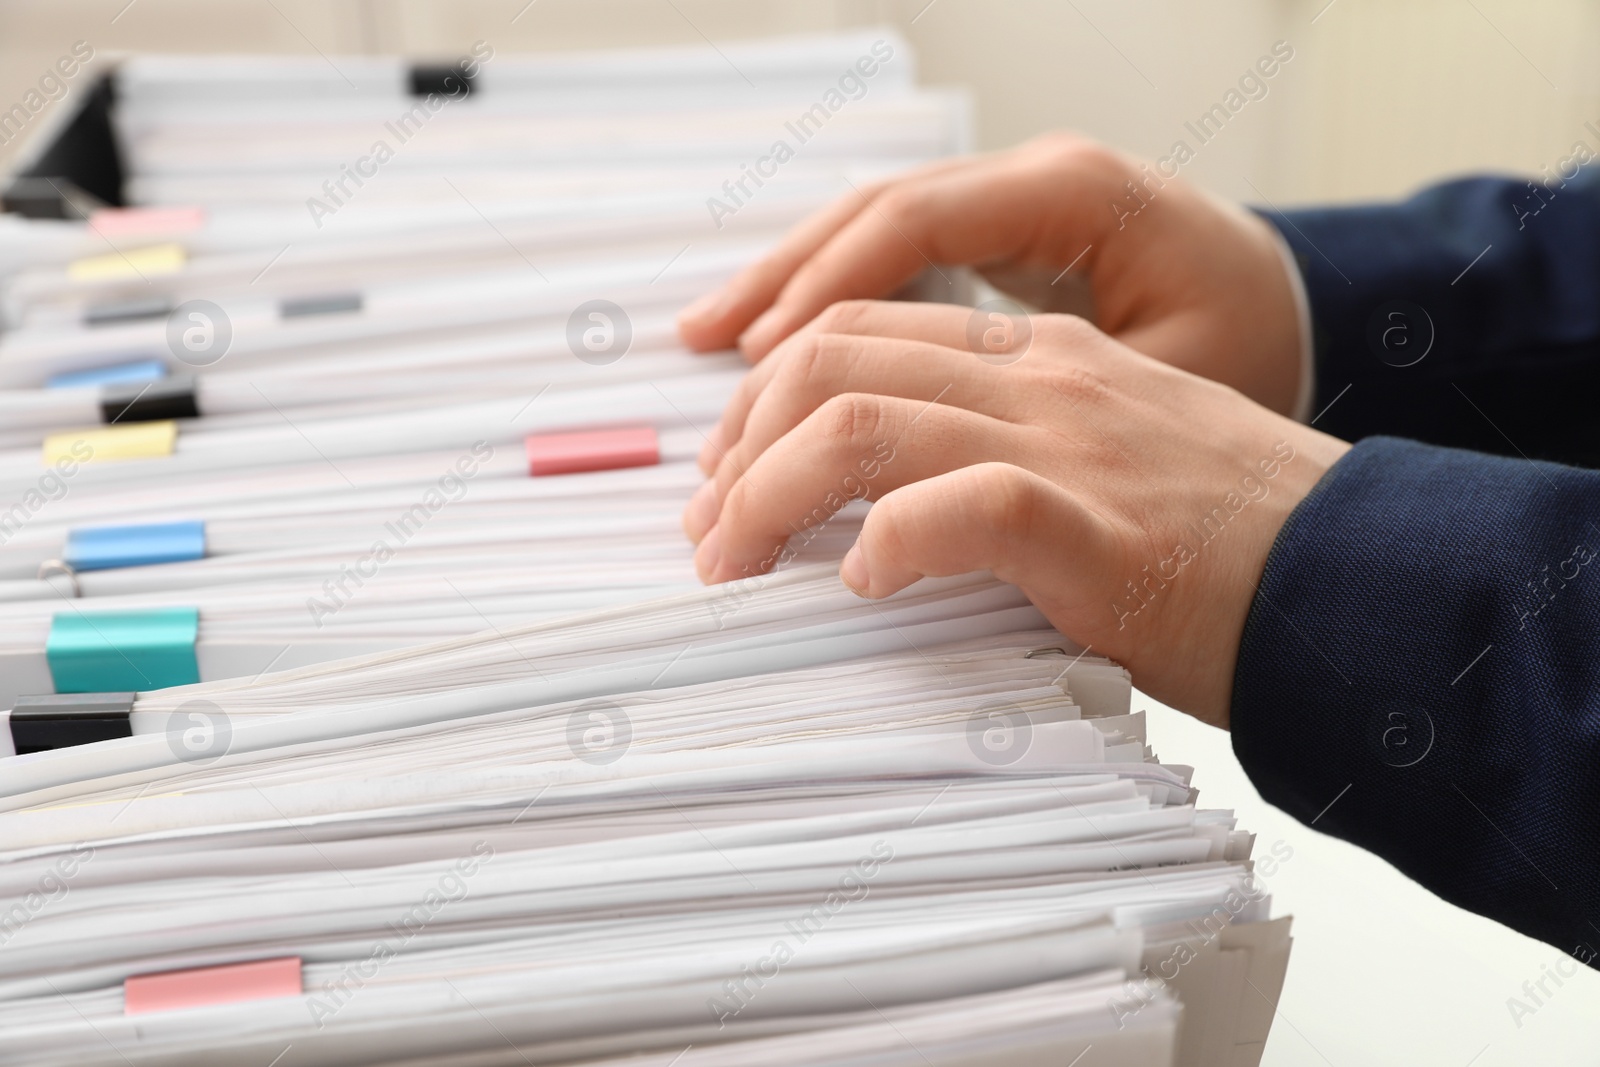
284, 424
927, 828
359, 703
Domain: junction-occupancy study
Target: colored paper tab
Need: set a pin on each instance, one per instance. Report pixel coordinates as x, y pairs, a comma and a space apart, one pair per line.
203, 987
592, 450
169, 398
43, 723
98, 548
134, 263
118, 312
141, 221
107, 651
331, 304
142, 440
144, 370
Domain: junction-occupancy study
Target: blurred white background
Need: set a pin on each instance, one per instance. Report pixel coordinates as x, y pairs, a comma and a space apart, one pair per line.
1380, 97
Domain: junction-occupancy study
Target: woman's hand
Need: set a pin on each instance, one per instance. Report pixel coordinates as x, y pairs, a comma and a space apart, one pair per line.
1170, 271
1134, 503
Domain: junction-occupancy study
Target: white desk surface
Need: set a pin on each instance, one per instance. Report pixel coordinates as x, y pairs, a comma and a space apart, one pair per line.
1384, 972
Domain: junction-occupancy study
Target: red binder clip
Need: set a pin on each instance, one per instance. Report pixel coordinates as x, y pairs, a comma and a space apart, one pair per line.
203, 987
592, 450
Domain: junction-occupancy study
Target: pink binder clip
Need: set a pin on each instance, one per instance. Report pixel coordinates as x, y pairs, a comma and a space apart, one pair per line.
592, 450
202, 987
137, 221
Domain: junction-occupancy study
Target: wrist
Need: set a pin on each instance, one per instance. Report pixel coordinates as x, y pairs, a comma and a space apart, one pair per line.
1284, 378
1305, 386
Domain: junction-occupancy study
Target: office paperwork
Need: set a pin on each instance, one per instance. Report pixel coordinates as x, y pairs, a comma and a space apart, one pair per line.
361, 705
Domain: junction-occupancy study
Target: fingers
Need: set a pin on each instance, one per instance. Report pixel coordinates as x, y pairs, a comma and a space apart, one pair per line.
942, 218
717, 319
937, 324
827, 365
988, 517
1030, 206
855, 446
944, 325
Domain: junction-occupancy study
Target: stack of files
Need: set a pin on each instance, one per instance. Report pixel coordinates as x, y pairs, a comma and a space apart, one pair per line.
362, 704
355, 455
287, 495
480, 219
761, 823
523, 364
248, 518
682, 114
292, 544
798, 619
428, 299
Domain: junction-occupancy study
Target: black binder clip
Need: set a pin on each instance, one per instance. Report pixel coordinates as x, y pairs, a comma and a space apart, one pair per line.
42, 723
451, 79
169, 398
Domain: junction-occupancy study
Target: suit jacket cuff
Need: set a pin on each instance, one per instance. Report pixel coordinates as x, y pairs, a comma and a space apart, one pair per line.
1417, 675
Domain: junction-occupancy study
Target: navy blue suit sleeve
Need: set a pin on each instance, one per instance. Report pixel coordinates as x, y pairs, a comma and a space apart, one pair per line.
1468, 315
1420, 675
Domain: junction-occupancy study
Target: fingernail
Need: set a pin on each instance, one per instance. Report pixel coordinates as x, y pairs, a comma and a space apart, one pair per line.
763, 333
700, 514
711, 451
706, 307
853, 571
708, 557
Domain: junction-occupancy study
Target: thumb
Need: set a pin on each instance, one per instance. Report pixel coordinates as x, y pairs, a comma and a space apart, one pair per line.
988, 517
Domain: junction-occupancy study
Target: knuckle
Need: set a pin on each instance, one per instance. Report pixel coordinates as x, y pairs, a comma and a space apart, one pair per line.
1054, 143
801, 363
744, 397
739, 497
1081, 383
817, 363
835, 349
1066, 329
851, 417
1010, 497
844, 316
734, 501
729, 477
886, 528
1068, 151
902, 205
